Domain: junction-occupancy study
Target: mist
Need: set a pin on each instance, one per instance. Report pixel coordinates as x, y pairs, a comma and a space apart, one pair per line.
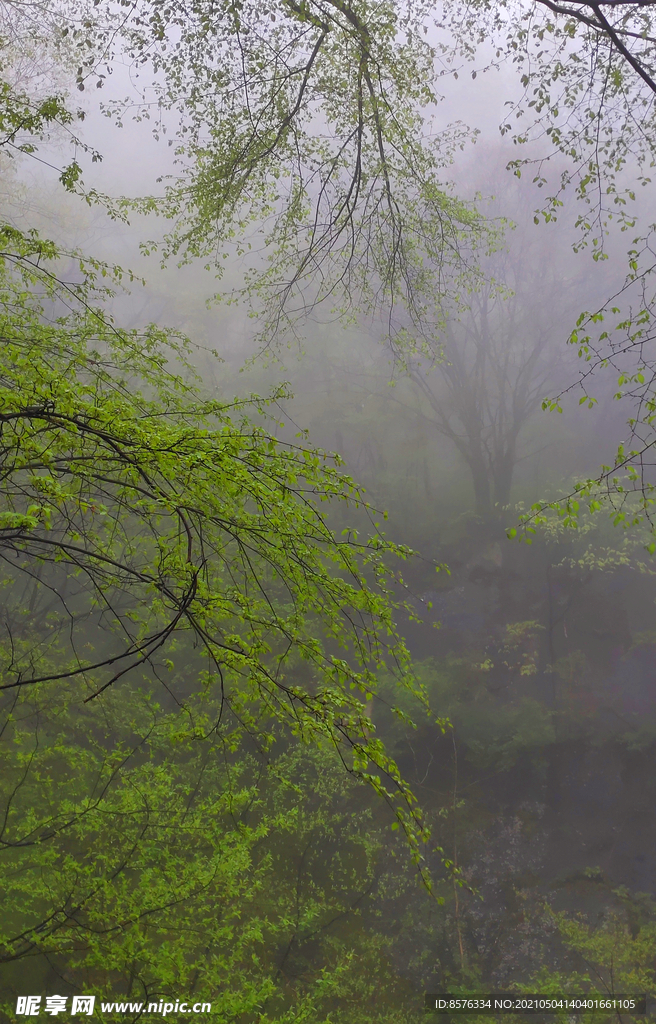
311, 738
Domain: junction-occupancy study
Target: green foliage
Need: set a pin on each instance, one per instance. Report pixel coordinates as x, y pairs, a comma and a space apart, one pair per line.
299, 131
158, 545
162, 546
578, 525
136, 512
141, 861
614, 956
584, 73
493, 733
27, 121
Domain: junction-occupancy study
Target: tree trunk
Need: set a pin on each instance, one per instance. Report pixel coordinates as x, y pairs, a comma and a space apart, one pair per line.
502, 473
482, 492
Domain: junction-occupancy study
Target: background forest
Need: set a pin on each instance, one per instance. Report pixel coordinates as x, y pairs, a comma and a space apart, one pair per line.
326, 542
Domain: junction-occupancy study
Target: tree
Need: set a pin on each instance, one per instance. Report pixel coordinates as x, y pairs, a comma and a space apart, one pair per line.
611, 958
489, 377
166, 868
586, 70
316, 117
135, 513
308, 128
159, 546
137, 516
303, 132
298, 130
481, 379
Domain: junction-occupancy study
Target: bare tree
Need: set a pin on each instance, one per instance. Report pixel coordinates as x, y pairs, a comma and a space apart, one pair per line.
488, 373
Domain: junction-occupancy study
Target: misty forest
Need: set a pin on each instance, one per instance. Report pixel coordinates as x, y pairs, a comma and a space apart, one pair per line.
328, 506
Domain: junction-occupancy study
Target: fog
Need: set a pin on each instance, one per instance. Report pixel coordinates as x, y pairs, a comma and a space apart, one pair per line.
535, 651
